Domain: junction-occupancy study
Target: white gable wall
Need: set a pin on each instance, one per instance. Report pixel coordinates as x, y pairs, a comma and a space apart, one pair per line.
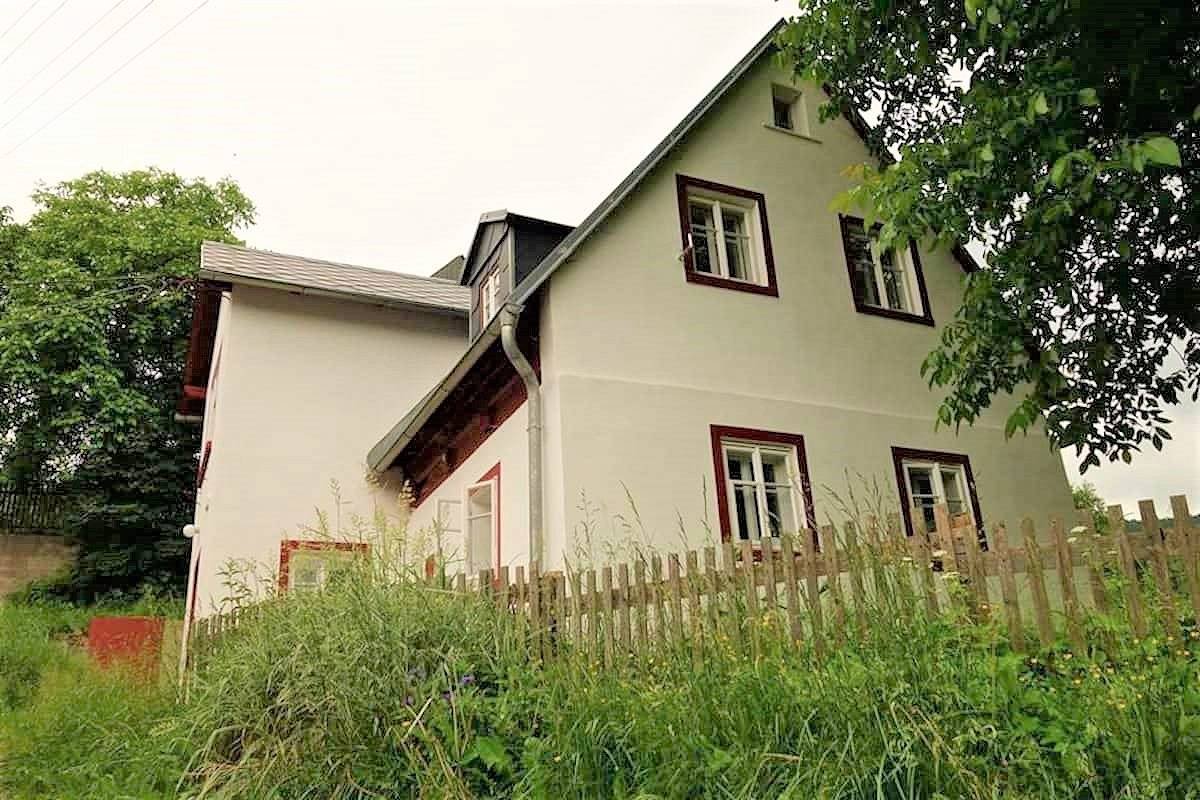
305, 385
643, 361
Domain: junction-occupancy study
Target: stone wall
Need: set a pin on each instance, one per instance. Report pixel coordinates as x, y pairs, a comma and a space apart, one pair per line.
25, 558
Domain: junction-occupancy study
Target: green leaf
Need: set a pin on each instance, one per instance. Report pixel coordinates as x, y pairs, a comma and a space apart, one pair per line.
1039, 104
1059, 171
1161, 150
1087, 97
491, 751
993, 15
986, 154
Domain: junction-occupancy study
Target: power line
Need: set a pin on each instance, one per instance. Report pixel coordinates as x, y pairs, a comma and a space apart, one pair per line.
62, 52
36, 28
17, 21
76, 65
106, 78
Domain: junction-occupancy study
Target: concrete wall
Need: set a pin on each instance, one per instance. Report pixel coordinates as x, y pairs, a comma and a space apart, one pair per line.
641, 362
301, 388
26, 558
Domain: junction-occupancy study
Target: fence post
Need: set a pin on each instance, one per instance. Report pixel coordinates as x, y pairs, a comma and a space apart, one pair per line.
695, 620
713, 588
832, 567
576, 611
624, 623
594, 652
813, 590
1186, 535
730, 587
1008, 589
1037, 583
1133, 586
854, 563
923, 556
643, 604
793, 594
1161, 569
606, 608
1066, 578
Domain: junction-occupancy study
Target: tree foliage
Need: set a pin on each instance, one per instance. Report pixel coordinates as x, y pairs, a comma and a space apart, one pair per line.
1063, 135
95, 302
1086, 498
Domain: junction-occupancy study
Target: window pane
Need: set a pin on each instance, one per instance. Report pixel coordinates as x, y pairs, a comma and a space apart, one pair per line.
783, 114
740, 464
781, 510
704, 237
480, 545
737, 243
954, 494
775, 467
745, 501
894, 283
858, 253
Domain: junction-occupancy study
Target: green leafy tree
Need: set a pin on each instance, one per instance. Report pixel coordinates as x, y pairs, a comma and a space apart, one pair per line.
96, 296
1063, 135
1088, 499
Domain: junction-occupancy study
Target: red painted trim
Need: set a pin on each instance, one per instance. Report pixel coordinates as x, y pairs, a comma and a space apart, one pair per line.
203, 470
494, 474
717, 433
682, 183
289, 546
900, 454
864, 308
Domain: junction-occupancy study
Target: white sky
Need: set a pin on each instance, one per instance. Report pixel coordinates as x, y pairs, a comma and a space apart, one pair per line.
377, 132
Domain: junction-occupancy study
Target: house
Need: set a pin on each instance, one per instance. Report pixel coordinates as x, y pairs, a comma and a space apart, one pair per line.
709, 353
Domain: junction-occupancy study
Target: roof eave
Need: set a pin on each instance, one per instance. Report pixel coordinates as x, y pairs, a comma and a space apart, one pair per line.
387, 449
567, 246
356, 297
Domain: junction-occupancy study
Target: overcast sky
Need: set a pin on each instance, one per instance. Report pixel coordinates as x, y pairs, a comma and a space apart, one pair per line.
377, 132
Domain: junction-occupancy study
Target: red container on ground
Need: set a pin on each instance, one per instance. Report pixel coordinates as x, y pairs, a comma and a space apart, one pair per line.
131, 641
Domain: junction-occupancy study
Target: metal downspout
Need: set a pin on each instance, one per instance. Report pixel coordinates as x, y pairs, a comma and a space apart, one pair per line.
533, 393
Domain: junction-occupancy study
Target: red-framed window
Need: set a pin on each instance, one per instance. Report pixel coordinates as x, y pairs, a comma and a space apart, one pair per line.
886, 283
926, 478
308, 565
202, 470
762, 483
726, 238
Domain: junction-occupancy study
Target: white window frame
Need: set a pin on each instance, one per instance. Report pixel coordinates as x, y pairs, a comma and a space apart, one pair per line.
446, 512
791, 98
902, 262
489, 296
761, 485
939, 488
472, 564
755, 250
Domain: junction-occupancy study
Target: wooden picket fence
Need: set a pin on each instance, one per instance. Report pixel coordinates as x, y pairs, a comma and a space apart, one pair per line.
824, 588
32, 512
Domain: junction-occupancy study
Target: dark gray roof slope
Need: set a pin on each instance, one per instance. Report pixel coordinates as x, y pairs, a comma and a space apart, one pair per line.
226, 262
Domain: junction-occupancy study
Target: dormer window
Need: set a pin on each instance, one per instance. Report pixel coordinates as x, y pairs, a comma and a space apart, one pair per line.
726, 242
489, 296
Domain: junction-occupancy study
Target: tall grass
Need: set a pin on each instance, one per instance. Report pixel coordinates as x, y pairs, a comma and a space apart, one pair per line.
382, 686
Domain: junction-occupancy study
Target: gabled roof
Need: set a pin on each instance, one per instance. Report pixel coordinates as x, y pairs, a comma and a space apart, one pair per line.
390, 447
241, 265
571, 243
452, 270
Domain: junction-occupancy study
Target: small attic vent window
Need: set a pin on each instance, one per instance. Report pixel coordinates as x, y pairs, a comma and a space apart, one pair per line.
787, 112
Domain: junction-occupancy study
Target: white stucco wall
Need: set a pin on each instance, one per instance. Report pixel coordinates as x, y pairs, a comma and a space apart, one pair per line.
642, 362
305, 387
506, 447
